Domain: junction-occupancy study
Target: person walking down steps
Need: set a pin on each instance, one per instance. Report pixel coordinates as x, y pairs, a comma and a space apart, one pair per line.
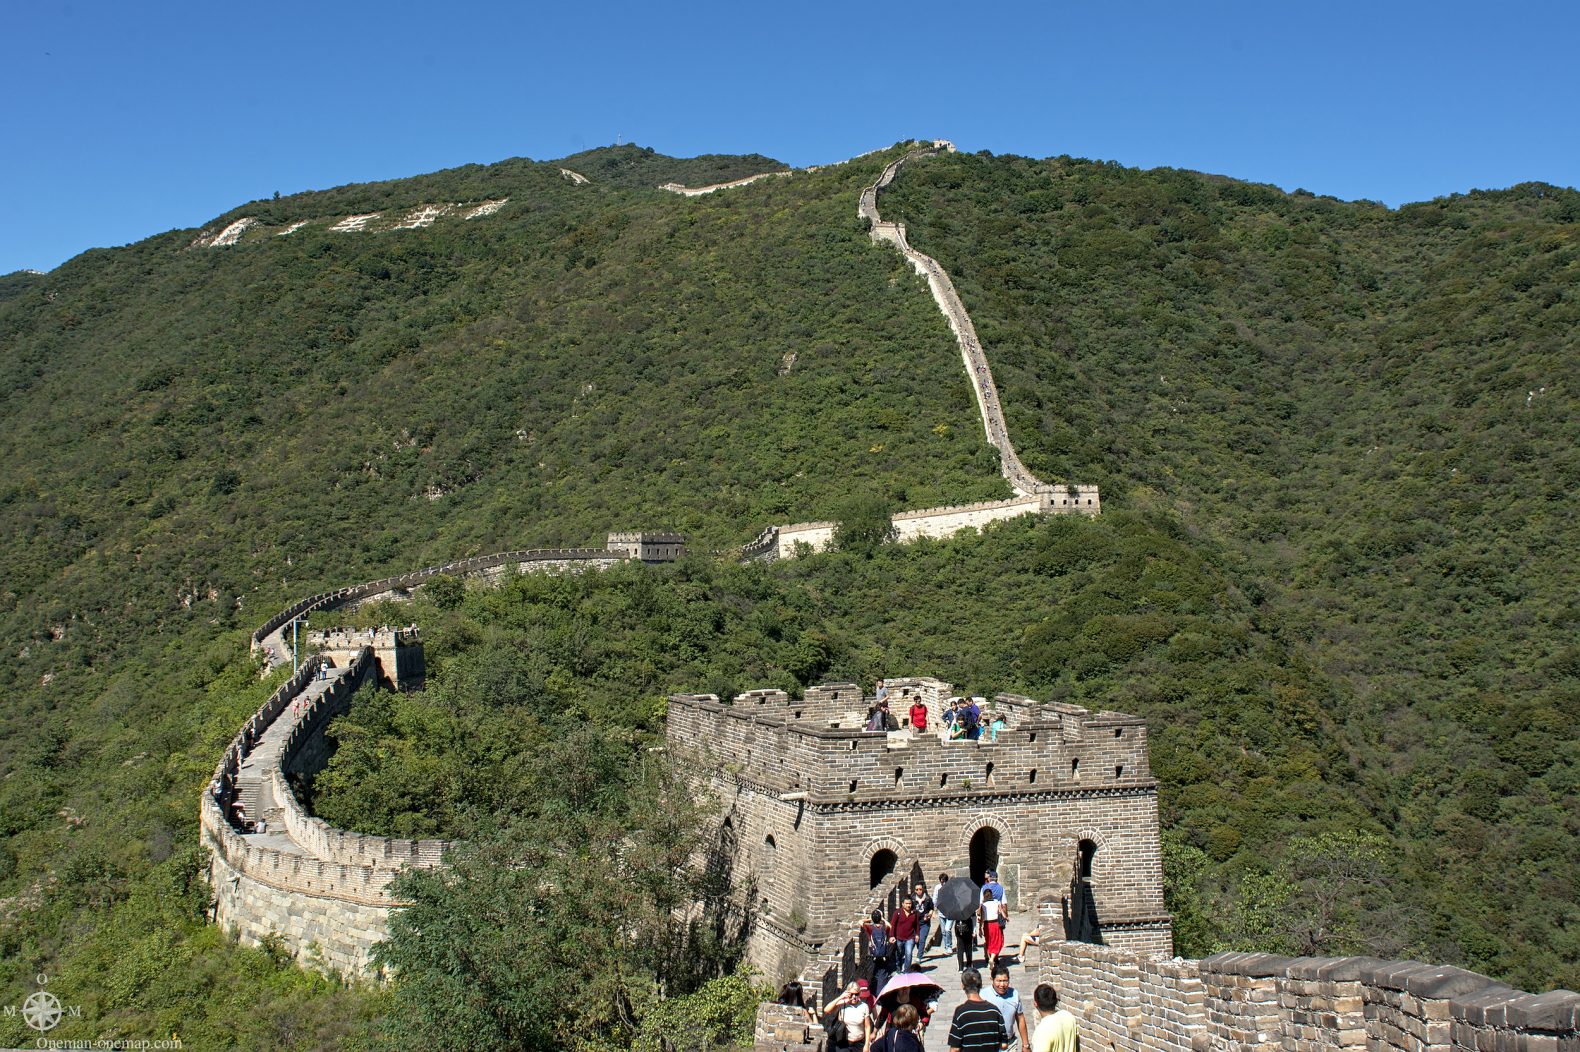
977, 1025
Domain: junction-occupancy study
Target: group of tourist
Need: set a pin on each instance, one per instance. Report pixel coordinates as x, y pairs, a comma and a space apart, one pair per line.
877, 1015
855, 1021
962, 719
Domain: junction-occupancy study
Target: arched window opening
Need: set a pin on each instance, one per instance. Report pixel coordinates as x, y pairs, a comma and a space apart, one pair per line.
1083, 859
899, 775
882, 865
984, 853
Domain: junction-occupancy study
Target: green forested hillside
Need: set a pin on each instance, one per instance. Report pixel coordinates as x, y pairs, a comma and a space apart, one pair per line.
1371, 413
1335, 575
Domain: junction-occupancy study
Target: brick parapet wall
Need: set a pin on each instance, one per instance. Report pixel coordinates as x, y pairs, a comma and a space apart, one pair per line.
770, 738
525, 559
1240, 1002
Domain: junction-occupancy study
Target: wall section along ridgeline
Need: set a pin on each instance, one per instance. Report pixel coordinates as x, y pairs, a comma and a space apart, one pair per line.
1032, 495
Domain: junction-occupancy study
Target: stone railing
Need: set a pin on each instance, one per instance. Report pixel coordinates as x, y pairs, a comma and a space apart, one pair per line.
1259, 1002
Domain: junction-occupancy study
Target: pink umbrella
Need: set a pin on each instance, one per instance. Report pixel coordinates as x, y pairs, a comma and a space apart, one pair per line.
924, 987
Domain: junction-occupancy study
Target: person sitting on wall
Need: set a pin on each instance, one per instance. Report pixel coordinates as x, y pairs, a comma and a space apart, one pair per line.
1031, 938
880, 719
794, 996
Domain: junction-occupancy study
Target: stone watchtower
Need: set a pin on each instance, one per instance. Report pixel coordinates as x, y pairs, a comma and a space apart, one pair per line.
817, 811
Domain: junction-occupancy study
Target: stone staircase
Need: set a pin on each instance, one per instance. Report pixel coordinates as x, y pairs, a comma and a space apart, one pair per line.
255, 782
945, 971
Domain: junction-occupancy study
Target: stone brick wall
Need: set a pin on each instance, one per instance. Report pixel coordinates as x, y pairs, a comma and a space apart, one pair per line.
936, 522
320, 930
1239, 1002
811, 800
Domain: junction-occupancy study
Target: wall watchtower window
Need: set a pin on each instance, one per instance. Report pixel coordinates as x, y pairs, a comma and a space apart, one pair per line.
883, 863
899, 775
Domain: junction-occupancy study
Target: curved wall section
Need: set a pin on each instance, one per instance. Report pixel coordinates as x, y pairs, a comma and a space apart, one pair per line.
279, 872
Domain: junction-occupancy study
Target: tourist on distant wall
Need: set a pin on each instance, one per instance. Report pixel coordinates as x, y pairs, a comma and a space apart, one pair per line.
1006, 999
1057, 1030
919, 714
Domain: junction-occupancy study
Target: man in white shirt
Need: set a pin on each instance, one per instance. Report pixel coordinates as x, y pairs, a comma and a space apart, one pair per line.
1005, 998
946, 925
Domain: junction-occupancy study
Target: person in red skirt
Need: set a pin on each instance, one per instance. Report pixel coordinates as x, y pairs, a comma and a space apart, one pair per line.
992, 931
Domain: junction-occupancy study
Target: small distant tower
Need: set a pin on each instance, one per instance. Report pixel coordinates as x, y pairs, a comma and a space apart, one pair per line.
649, 546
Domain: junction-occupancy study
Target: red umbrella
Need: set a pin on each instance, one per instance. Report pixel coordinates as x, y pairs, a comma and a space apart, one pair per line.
923, 986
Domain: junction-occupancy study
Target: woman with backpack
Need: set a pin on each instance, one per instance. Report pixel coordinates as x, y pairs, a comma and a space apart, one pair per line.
878, 937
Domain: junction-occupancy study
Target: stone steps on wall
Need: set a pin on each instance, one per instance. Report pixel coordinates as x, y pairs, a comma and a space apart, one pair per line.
946, 973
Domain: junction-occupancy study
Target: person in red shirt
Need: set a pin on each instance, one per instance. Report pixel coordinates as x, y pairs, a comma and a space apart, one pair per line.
904, 924
919, 715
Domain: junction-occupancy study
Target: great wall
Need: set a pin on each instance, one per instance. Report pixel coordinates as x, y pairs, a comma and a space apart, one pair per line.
821, 821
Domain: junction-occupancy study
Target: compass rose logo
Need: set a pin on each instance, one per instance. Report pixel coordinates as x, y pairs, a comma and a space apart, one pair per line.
42, 1010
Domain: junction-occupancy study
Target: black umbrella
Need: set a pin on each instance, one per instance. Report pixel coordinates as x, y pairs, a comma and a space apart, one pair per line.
959, 898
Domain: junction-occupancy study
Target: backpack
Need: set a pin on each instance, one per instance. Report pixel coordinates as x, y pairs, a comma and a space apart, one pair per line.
973, 723
878, 943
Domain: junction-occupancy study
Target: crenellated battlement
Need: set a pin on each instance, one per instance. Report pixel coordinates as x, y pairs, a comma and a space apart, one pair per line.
818, 806
819, 745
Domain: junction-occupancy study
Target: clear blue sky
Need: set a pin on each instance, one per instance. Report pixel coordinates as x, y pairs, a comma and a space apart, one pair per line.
124, 119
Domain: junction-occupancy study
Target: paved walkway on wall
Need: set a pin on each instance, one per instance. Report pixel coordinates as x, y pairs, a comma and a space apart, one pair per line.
945, 971
255, 781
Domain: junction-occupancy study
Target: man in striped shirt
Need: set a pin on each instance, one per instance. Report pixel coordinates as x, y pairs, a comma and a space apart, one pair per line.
977, 1026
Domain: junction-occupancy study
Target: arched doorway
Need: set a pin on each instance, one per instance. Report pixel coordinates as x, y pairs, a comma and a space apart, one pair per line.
984, 853
1081, 922
881, 866
1083, 859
